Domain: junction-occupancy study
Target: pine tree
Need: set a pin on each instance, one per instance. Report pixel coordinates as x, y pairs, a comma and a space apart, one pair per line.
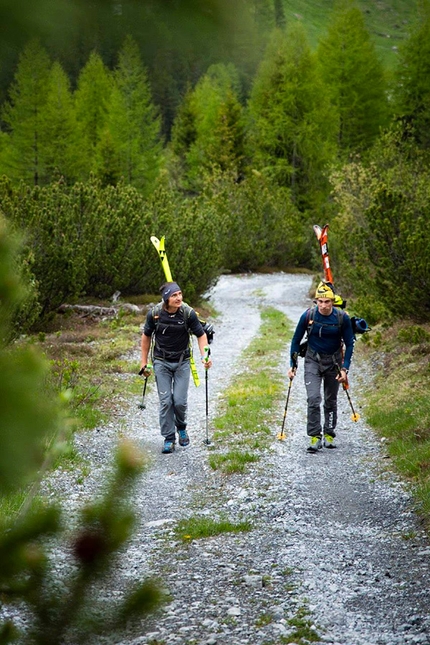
291, 127
132, 124
350, 67
92, 99
412, 88
23, 115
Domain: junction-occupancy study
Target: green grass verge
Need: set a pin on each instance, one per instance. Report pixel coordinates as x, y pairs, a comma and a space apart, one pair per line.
198, 527
243, 429
398, 405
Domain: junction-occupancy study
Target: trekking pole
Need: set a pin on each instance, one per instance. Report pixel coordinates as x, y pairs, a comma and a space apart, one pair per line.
354, 416
281, 435
206, 358
142, 406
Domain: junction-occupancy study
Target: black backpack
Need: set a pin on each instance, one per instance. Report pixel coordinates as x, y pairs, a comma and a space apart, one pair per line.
208, 328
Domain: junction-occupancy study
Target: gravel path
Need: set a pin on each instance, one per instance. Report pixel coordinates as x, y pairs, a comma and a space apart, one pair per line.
333, 533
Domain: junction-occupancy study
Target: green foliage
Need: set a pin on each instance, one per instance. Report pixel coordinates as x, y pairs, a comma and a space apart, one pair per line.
352, 71
59, 601
52, 238
398, 407
256, 223
399, 245
414, 335
291, 124
23, 115
59, 140
19, 296
131, 139
55, 601
26, 409
92, 97
81, 238
381, 237
209, 133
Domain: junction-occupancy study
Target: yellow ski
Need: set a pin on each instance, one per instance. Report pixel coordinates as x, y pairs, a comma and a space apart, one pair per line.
159, 245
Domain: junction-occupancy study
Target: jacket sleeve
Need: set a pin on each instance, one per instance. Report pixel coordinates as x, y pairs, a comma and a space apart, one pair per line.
349, 340
194, 324
149, 327
297, 337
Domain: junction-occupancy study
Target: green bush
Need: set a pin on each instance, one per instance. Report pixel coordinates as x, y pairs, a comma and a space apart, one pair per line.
381, 239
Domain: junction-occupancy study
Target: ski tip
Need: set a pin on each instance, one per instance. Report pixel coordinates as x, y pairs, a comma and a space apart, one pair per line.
317, 231
155, 241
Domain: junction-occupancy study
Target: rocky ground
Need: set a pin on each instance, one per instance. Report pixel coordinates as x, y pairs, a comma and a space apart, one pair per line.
333, 534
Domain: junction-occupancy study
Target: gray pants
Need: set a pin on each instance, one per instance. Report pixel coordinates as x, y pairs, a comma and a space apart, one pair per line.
321, 368
172, 384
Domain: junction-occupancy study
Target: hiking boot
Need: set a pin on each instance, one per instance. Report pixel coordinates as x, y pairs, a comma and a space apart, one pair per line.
329, 441
184, 439
169, 446
315, 444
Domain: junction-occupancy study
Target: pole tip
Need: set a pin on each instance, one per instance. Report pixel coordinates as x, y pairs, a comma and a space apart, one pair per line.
355, 416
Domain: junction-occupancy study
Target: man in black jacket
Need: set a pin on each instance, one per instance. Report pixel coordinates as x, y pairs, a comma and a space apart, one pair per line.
171, 325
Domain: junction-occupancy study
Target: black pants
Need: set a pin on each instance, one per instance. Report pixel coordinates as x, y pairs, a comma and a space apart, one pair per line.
320, 369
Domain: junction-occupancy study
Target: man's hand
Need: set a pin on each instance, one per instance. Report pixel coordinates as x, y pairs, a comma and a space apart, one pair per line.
206, 358
292, 372
207, 363
146, 370
342, 377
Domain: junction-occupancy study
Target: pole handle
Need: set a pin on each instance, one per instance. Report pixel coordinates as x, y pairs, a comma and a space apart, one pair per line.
207, 351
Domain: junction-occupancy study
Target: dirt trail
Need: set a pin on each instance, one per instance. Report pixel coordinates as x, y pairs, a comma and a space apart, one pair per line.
334, 533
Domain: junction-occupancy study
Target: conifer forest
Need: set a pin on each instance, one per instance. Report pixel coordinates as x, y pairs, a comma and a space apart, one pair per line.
227, 127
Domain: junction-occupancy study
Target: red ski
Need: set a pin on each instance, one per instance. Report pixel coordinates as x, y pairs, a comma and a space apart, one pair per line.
322, 235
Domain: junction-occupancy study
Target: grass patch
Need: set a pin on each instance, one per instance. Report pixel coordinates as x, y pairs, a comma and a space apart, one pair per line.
233, 461
248, 403
398, 406
304, 631
198, 527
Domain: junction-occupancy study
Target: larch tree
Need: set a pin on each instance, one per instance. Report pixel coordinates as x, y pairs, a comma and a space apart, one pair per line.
351, 69
291, 128
92, 97
209, 131
412, 87
59, 142
23, 114
132, 128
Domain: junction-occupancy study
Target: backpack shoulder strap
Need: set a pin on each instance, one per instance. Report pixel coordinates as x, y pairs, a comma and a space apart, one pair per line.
310, 315
340, 316
155, 311
186, 309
